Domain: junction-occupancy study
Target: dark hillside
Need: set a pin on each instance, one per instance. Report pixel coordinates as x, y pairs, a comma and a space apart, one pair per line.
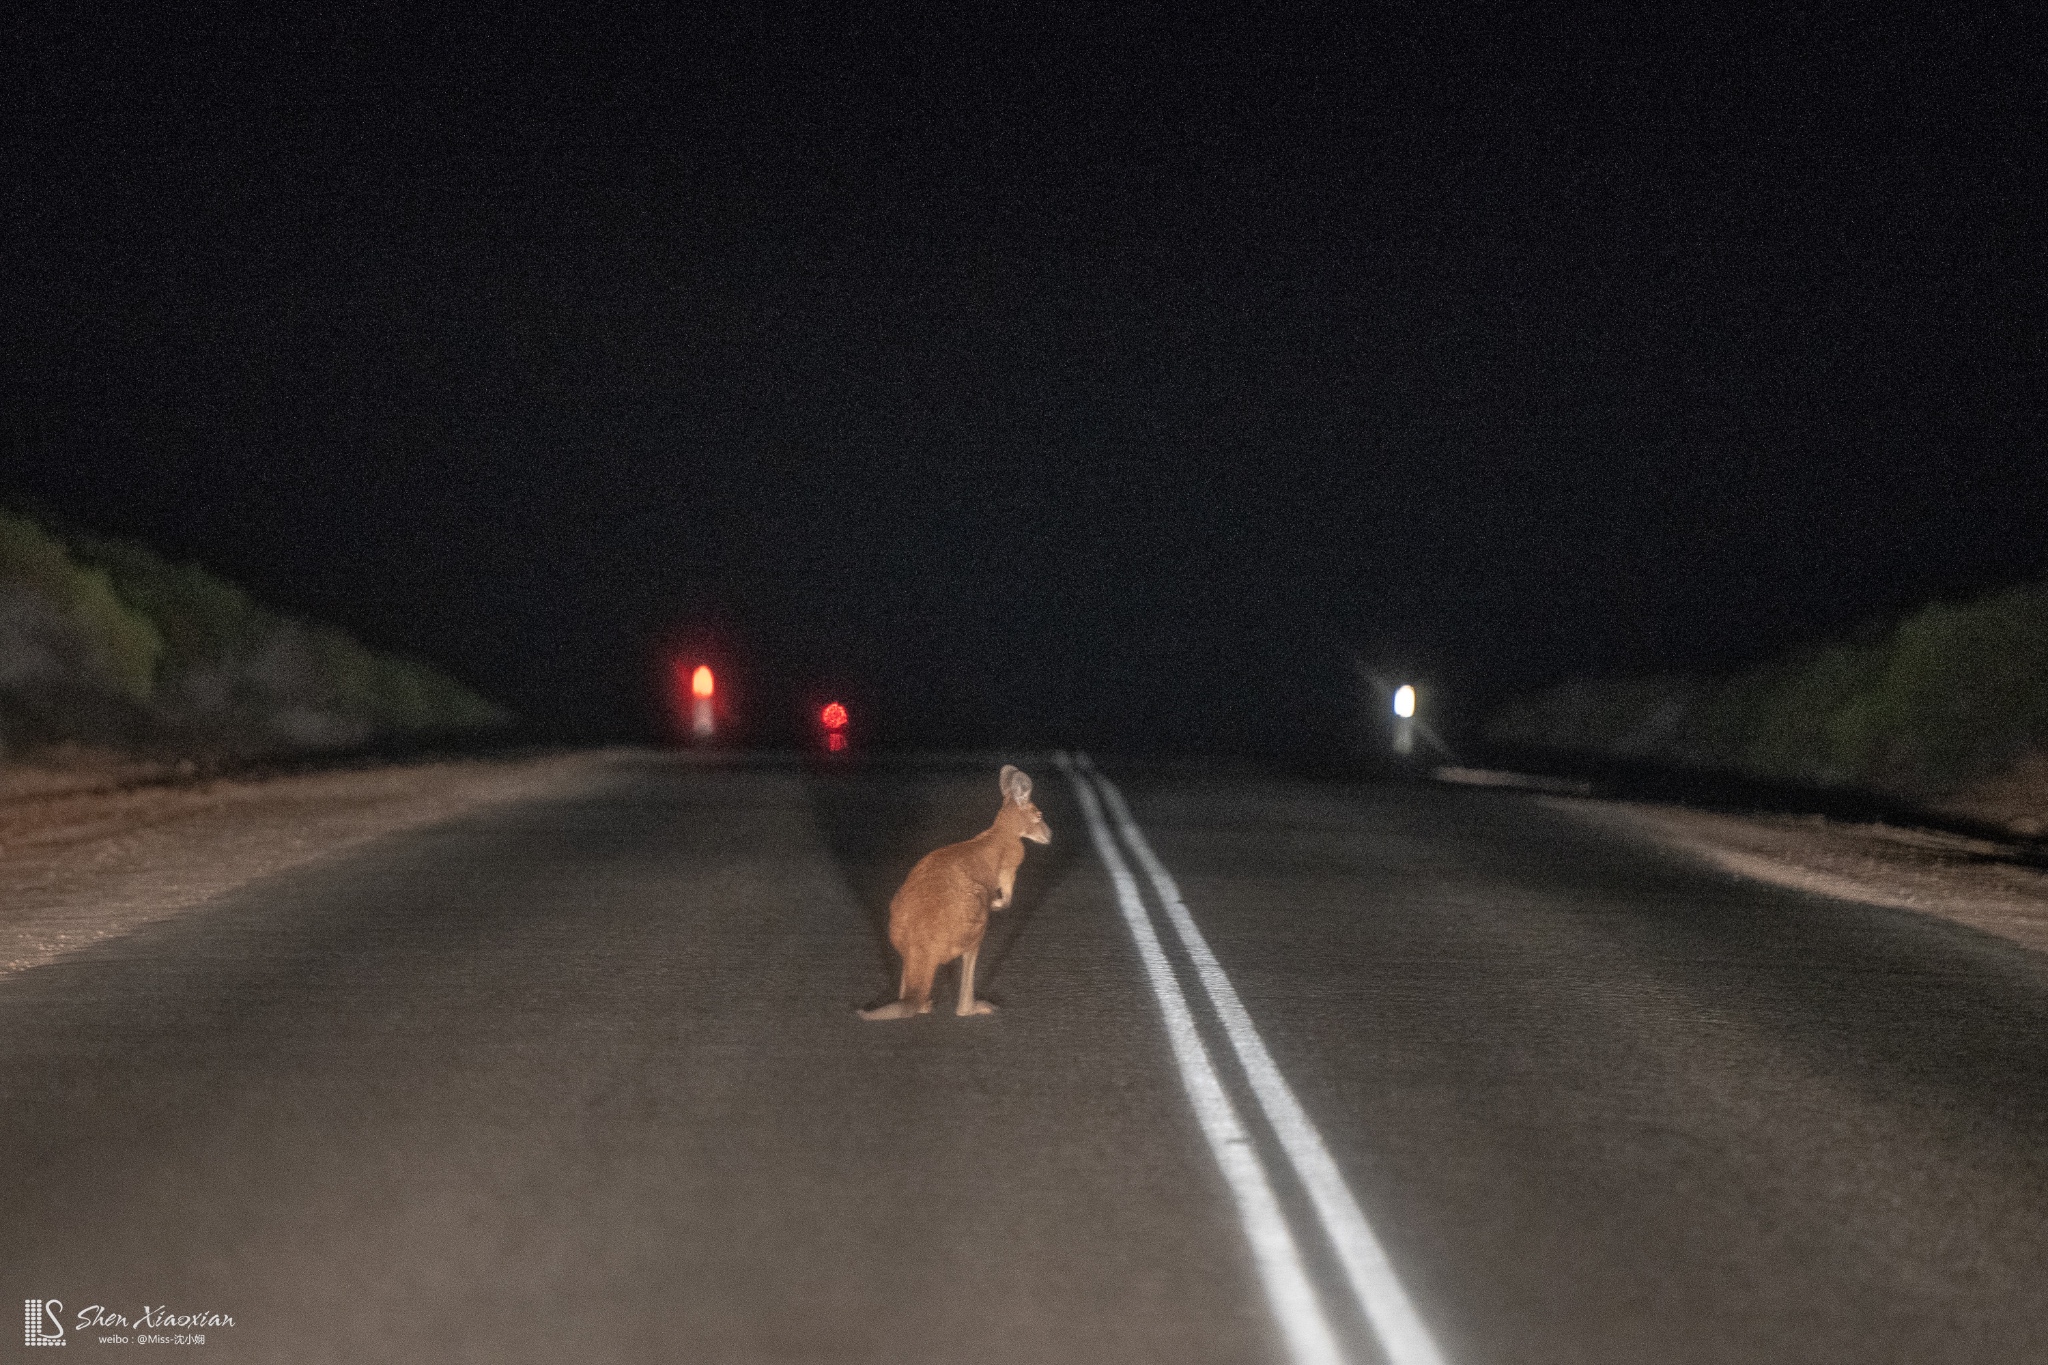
103, 643
1947, 696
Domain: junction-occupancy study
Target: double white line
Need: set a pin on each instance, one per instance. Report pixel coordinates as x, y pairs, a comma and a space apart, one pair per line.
1402, 1337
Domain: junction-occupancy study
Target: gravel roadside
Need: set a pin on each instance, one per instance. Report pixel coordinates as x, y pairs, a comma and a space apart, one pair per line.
1996, 887
78, 867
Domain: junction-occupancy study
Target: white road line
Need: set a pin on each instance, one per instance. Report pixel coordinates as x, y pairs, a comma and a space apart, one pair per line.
1403, 1336
1309, 1339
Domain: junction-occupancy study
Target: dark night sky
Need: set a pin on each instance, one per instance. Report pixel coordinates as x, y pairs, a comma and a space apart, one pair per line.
1033, 378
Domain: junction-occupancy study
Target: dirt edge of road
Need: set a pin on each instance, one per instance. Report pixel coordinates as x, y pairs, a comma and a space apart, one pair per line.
82, 866
1986, 885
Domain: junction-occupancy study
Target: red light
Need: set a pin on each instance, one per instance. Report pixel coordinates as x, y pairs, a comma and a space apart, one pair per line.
836, 741
834, 716
701, 684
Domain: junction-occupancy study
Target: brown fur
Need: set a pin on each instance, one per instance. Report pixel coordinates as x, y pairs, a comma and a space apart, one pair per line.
941, 911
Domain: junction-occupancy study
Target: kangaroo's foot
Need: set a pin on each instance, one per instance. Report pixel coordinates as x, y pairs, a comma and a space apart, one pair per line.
968, 1004
897, 1009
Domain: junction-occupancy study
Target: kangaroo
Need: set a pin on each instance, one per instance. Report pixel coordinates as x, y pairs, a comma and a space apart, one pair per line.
941, 912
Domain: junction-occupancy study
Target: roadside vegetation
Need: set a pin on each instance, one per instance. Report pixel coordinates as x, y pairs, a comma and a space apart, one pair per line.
103, 643
1951, 694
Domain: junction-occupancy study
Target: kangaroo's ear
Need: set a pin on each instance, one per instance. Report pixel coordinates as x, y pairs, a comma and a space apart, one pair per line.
1015, 785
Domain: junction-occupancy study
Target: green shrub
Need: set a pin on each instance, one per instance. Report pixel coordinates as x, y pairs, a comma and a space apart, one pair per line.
202, 619
123, 644
1950, 693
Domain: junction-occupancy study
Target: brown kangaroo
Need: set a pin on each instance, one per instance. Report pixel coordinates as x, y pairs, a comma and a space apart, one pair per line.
941, 912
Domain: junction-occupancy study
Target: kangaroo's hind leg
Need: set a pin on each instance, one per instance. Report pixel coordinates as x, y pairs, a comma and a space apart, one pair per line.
968, 1004
914, 995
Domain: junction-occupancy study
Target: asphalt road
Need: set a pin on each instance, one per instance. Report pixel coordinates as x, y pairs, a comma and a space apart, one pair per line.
582, 1081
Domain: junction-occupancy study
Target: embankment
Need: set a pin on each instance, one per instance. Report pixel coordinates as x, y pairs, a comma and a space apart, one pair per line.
1948, 706
107, 646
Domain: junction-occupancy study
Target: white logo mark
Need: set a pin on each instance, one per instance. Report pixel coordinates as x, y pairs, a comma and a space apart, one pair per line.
35, 1312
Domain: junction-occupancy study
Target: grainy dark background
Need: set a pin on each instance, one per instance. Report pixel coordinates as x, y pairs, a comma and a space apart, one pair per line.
1036, 376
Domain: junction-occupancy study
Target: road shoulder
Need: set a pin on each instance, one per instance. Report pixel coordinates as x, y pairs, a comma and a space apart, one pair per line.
82, 867
1987, 885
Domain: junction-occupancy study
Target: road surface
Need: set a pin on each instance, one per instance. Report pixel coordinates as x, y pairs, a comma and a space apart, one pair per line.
581, 1079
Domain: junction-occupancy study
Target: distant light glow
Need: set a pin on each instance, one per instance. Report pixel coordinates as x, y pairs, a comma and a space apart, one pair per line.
701, 684
1404, 701
834, 716
836, 741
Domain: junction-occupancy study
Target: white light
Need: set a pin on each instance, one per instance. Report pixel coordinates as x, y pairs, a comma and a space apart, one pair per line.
1404, 701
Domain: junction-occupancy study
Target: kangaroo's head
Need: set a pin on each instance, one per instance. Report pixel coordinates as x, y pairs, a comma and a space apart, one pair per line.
1018, 806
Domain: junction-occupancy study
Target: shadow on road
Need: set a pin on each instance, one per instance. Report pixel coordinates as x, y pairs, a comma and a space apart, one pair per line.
879, 818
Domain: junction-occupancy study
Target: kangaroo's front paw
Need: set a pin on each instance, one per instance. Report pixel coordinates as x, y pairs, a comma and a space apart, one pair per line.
978, 1007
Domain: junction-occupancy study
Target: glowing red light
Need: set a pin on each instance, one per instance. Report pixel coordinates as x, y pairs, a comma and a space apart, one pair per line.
701, 684
836, 741
834, 716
